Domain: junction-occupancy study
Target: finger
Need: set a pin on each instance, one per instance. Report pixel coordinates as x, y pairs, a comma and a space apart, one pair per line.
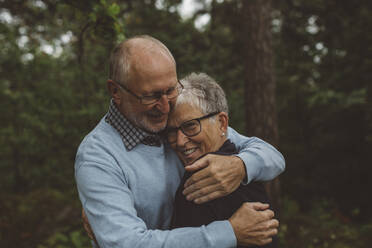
260, 206
263, 216
85, 225
197, 176
269, 214
208, 181
274, 223
203, 191
267, 234
266, 226
273, 232
91, 236
198, 164
84, 217
84, 220
88, 230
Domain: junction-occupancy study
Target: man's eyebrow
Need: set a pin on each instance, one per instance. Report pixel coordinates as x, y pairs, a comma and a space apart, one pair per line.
149, 93
152, 93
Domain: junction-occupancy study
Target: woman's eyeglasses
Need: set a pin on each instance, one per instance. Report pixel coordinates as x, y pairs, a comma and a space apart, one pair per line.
189, 128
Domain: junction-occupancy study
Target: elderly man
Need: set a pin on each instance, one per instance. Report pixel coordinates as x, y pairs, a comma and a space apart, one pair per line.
127, 177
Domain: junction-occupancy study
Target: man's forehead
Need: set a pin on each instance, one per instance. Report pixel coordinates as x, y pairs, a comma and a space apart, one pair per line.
142, 48
153, 69
149, 56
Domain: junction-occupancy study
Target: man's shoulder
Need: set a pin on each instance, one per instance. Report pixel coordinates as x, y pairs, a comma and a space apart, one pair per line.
99, 143
100, 134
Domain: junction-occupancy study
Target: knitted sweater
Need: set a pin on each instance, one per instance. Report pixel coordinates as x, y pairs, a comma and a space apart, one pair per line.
128, 195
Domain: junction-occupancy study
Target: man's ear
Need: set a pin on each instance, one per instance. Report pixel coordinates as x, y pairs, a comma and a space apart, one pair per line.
114, 91
223, 120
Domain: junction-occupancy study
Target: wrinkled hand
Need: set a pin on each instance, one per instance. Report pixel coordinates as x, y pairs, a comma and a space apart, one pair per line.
253, 224
87, 227
218, 176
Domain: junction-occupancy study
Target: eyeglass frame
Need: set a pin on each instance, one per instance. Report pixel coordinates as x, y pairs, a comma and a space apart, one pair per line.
140, 98
180, 127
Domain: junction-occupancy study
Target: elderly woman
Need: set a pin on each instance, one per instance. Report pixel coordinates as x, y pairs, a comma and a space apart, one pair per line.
196, 127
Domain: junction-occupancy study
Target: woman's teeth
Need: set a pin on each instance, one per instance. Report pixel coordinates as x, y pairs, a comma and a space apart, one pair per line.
189, 151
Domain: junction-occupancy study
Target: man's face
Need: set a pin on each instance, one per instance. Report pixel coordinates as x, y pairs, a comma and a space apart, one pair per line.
149, 74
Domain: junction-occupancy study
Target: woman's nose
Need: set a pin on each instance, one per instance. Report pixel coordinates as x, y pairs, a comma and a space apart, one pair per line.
182, 139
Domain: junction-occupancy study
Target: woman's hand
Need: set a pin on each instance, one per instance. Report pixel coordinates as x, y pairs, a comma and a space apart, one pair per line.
87, 227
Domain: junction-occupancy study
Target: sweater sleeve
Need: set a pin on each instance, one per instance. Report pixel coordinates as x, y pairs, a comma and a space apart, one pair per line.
110, 208
262, 161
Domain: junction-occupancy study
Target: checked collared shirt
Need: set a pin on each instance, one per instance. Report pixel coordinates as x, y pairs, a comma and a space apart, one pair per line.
130, 134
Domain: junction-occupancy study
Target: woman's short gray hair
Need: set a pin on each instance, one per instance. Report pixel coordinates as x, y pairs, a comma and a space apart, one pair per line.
203, 92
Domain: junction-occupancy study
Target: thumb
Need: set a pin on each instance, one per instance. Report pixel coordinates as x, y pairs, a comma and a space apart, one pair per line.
198, 164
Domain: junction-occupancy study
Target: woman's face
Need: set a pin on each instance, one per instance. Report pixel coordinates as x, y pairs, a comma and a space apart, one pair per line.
209, 139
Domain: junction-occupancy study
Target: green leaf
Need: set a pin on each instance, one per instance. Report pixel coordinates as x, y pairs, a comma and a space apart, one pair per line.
113, 10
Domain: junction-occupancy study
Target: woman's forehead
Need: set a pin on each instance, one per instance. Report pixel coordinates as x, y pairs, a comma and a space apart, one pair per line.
184, 112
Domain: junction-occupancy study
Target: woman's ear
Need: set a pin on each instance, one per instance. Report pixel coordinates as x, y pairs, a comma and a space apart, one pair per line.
114, 91
223, 120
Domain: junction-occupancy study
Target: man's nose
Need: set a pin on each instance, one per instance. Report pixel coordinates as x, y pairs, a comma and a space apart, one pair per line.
163, 104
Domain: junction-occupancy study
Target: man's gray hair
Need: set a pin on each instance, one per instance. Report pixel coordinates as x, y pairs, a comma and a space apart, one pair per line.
203, 92
120, 59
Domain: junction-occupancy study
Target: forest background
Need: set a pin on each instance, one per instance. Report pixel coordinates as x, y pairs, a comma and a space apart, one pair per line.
53, 67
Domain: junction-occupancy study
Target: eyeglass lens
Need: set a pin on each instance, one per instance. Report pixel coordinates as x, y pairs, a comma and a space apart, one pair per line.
188, 128
170, 93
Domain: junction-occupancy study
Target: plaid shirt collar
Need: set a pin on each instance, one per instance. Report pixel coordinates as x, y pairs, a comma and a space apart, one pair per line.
130, 134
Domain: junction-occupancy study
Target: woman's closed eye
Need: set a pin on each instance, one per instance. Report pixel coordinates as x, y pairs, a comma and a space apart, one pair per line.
190, 126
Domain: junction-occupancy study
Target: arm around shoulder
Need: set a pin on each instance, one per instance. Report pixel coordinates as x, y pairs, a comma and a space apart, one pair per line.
263, 162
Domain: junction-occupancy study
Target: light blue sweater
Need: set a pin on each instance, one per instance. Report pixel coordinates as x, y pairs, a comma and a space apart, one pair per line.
128, 195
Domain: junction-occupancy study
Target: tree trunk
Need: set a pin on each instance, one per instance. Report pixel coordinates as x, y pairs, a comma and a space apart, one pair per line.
261, 116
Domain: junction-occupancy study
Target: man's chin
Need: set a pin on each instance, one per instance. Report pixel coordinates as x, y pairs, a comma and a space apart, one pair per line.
149, 123
156, 124
154, 127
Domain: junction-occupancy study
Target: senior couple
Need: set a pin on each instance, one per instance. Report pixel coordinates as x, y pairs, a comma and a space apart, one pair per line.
192, 184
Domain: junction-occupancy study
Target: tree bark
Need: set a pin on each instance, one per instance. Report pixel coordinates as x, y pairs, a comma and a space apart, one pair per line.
261, 116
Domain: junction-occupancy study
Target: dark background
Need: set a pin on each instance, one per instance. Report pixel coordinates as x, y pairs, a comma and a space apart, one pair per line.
53, 67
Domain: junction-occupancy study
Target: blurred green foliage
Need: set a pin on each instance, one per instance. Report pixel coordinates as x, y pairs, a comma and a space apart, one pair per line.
53, 66
322, 227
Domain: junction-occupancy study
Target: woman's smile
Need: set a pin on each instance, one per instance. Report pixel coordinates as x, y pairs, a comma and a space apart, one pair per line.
207, 139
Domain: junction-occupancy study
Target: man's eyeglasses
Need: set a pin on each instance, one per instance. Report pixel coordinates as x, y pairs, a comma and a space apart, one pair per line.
189, 128
171, 93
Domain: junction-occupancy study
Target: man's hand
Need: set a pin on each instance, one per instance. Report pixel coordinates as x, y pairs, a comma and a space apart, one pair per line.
219, 176
253, 224
87, 227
